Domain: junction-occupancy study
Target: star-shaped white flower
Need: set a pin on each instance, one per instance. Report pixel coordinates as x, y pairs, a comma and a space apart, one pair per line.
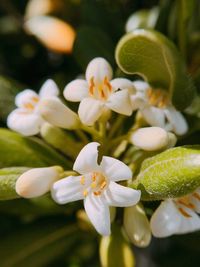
97, 186
98, 92
157, 109
177, 216
26, 119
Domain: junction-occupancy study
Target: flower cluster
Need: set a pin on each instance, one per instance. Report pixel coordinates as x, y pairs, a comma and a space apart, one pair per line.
95, 178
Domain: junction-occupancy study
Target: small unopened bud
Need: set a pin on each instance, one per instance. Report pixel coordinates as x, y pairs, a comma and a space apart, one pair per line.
115, 250
137, 226
37, 182
151, 138
53, 33
58, 114
172, 139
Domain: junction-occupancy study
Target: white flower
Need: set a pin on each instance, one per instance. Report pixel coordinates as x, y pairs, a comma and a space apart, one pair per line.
156, 108
98, 92
97, 186
177, 216
153, 138
38, 181
26, 119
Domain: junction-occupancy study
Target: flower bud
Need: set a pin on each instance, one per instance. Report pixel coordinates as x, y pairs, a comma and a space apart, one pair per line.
150, 138
115, 250
36, 182
137, 226
57, 114
53, 33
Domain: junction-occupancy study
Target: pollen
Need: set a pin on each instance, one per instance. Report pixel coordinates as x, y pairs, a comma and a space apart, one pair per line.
92, 86
29, 106
97, 193
85, 193
35, 99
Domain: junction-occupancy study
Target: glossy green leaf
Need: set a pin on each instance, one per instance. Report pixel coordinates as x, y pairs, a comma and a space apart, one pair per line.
8, 89
37, 244
92, 42
16, 150
170, 174
151, 55
8, 178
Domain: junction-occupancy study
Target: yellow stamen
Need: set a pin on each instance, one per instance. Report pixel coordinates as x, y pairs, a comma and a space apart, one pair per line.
103, 185
97, 193
106, 82
35, 99
29, 106
92, 86
85, 193
93, 185
196, 195
82, 181
184, 213
186, 203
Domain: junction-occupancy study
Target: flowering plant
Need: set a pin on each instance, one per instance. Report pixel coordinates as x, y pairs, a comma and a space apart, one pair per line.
112, 153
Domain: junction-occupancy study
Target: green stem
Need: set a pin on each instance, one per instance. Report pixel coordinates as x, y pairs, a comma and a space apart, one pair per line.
91, 131
116, 126
82, 136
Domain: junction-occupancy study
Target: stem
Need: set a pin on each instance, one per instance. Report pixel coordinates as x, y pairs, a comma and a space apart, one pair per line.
116, 125
91, 131
82, 136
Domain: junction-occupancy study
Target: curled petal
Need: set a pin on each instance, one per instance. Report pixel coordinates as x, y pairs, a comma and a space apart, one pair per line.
120, 196
56, 113
76, 90
141, 86
98, 213
115, 170
98, 69
166, 220
26, 96
120, 102
154, 116
90, 110
67, 190
24, 122
122, 83
49, 89
176, 119
87, 159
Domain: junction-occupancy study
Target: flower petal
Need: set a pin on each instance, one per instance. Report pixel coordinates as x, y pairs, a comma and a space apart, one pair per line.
24, 122
195, 200
98, 68
176, 119
115, 170
49, 89
98, 213
122, 83
90, 110
154, 116
138, 101
189, 224
86, 160
76, 90
166, 220
141, 86
26, 96
67, 190
120, 196
120, 102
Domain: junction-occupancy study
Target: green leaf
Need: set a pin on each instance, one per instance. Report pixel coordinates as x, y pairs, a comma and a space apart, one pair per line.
8, 89
8, 177
16, 150
37, 244
151, 55
92, 42
170, 174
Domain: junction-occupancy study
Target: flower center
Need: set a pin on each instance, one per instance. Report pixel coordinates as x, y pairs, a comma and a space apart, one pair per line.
30, 105
95, 185
100, 91
158, 98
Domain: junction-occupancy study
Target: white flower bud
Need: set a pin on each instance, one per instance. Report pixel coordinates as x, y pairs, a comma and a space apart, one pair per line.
53, 33
150, 138
57, 114
38, 181
137, 226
